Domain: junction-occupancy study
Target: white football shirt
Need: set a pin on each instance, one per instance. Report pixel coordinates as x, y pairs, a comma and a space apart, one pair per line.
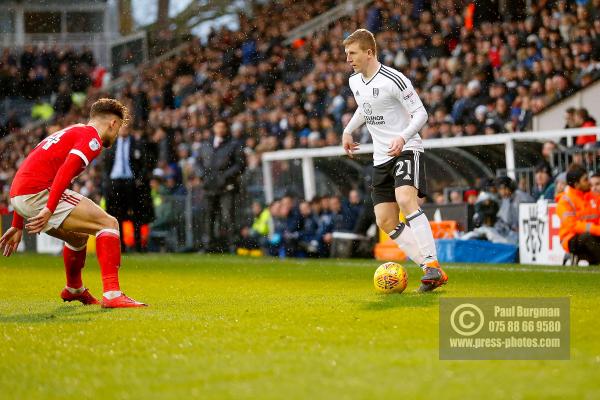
386, 102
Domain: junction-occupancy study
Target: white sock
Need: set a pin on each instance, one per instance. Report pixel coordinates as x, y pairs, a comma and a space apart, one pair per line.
405, 239
419, 225
112, 294
75, 291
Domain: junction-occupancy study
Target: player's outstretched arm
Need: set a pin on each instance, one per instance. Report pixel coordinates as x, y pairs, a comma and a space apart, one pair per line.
9, 242
11, 239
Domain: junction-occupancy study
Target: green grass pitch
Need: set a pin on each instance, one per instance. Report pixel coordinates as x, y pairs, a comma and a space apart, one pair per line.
236, 328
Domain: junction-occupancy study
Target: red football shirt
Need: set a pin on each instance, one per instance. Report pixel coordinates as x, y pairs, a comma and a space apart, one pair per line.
41, 165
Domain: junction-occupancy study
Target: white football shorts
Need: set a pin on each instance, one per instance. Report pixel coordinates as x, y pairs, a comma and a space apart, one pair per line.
29, 205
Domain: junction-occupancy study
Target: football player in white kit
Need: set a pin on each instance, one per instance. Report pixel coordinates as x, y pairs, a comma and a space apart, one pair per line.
394, 114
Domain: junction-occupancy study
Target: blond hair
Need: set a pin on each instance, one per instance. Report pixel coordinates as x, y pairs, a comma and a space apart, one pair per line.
364, 38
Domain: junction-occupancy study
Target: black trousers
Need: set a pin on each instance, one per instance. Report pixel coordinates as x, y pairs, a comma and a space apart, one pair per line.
219, 221
586, 246
121, 202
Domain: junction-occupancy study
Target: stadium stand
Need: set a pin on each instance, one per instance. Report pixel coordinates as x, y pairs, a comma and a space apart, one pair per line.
44, 79
486, 78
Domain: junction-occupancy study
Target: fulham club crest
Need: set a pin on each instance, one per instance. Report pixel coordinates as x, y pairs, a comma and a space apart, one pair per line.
375, 92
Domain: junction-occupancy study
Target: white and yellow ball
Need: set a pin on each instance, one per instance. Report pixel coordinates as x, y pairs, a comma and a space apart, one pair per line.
390, 277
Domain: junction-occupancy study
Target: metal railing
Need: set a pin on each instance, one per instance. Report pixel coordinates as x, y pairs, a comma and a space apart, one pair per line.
508, 140
525, 177
589, 158
180, 223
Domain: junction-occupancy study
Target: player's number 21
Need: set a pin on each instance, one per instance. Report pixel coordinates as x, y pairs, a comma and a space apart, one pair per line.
400, 167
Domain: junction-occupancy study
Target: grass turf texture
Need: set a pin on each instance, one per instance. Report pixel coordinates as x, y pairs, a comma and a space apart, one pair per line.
228, 327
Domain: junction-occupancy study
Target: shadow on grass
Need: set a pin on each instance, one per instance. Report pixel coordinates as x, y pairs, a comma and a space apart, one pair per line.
384, 302
62, 314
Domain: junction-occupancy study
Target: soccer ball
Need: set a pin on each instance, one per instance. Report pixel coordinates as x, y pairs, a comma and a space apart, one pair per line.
390, 278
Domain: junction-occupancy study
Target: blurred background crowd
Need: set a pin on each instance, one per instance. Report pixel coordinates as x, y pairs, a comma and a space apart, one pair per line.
477, 75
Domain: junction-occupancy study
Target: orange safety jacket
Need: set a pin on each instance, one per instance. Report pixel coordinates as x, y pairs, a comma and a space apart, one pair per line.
579, 213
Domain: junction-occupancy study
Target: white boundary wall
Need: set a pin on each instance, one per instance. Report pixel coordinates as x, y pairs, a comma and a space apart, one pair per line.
554, 116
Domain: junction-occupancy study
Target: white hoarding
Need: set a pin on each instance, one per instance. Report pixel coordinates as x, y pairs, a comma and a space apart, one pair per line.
539, 242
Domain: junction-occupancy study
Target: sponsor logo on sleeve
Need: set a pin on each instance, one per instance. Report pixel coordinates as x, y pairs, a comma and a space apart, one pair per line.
94, 144
411, 98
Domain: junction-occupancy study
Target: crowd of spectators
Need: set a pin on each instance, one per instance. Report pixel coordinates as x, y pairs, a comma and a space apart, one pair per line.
488, 79
482, 79
45, 82
39, 72
288, 227
496, 200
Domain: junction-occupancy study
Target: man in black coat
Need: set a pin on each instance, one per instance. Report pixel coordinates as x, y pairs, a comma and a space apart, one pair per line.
127, 171
220, 163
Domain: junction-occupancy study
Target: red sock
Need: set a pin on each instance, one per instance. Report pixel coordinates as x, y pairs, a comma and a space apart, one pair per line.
74, 262
108, 250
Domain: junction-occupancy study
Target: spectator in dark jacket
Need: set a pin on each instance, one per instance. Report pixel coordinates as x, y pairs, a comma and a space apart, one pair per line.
308, 234
352, 209
220, 163
127, 173
63, 102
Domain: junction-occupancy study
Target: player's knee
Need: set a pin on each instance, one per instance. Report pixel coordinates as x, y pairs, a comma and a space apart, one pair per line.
79, 241
110, 222
406, 202
386, 223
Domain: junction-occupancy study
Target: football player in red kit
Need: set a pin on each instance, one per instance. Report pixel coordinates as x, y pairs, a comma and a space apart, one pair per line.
40, 194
